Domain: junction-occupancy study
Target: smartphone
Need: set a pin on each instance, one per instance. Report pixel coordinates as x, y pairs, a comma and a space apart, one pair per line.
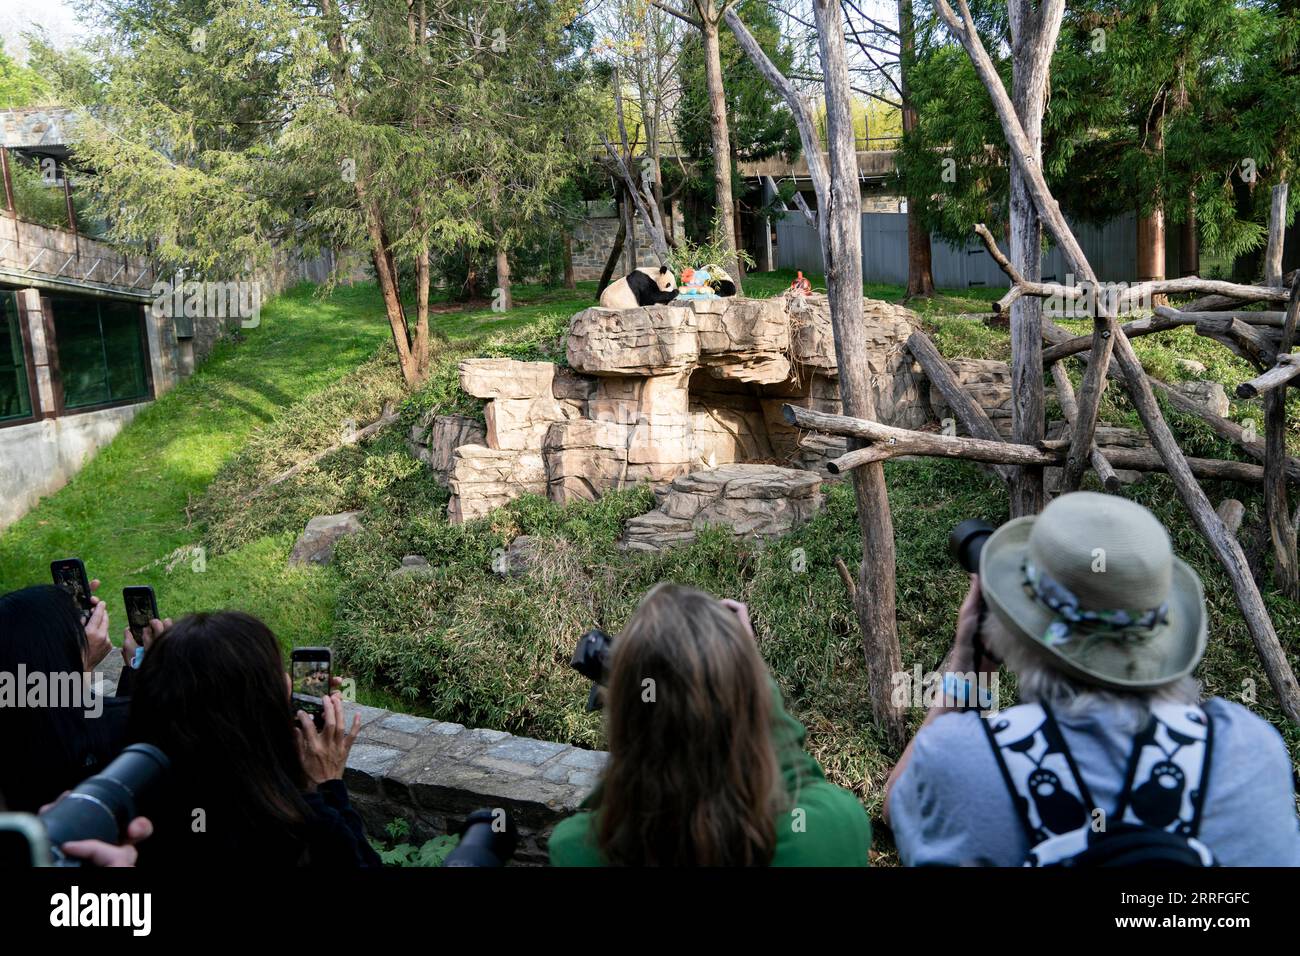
310, 670
141, 608
22, 841
70, 575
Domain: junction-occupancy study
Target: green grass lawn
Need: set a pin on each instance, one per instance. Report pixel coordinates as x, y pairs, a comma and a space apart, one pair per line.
125, 513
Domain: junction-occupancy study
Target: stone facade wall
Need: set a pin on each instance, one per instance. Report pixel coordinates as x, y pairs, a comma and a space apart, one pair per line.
658, 392
594, 237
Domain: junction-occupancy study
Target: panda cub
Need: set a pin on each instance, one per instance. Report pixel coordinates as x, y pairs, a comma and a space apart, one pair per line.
646, 286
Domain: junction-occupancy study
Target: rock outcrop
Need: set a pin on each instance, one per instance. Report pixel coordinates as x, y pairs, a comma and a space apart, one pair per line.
316, 544
658, 392
761, 501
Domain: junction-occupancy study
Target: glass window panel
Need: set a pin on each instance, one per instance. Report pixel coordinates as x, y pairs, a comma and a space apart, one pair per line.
81, 351
127, 378
15, 396
101, 353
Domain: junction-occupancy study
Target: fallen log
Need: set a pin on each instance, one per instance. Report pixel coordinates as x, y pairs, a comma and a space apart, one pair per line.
889, 442
388, 417
1223, 427
1287, 368
1271, 319
967, 410
1075, 344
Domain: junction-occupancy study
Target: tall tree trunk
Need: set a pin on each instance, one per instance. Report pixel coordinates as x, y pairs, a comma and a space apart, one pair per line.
422, 313
381, 255
721, 140
1189, 242
506, 299
569, 281
841, 228
1028, 92
920, 277
1151, 248
632, 257
611, 262
1151, 228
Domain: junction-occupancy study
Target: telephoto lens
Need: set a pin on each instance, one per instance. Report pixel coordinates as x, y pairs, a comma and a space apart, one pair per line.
100, 808
591, 660
488, 838
966, 541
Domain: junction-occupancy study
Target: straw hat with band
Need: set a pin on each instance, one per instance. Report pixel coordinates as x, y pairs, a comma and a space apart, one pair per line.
1093, 582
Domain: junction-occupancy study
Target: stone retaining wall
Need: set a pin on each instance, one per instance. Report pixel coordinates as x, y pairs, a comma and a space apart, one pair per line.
433, 774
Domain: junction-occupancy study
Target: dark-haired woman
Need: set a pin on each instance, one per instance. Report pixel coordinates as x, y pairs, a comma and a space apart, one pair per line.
55, 731
705, 768
252, 782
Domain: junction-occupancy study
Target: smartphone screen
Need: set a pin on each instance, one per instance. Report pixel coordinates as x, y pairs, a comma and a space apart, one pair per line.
309, 670
141, 608
70, 575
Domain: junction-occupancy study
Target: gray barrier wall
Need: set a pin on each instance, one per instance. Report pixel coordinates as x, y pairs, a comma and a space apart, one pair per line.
1112, 250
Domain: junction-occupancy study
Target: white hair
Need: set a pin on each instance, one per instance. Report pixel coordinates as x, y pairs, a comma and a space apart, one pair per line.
1041, 681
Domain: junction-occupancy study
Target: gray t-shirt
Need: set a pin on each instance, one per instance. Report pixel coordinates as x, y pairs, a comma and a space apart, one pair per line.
951, 807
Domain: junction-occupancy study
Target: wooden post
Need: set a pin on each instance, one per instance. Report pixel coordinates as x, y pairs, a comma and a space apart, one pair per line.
838, 220
841, 217
1034, 29
967, 410
1277, 504
1276, 236
10, 206
1069, 409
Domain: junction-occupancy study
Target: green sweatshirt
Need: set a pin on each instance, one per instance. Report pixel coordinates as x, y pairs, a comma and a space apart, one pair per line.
823, 825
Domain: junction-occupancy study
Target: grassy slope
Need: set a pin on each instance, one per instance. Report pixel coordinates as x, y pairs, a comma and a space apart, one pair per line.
129, 513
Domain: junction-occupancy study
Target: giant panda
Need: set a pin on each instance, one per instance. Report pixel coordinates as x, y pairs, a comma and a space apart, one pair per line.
646, 286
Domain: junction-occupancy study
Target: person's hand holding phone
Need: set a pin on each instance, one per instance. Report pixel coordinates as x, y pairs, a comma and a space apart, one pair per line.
148, 636
98, 643
325, 752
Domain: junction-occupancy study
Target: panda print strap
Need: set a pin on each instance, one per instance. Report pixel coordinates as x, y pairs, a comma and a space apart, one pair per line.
1163, 792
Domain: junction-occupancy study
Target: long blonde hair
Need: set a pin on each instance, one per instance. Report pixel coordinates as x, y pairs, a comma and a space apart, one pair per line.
693, 777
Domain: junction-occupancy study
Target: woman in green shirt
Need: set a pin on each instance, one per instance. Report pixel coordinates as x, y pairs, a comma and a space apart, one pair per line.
705, 768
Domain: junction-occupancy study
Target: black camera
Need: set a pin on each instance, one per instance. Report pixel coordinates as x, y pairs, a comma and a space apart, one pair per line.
966, 541
97, 809
487, 838
591, 660
100, 808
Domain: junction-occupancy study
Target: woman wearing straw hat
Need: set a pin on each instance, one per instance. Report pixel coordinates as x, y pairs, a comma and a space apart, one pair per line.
1111, 757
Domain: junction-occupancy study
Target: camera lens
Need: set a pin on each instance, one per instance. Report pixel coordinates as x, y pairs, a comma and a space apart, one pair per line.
488, 839
101, 807
966, 541
590, 655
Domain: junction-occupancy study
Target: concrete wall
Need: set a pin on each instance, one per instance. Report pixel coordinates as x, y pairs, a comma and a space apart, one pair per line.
1112, 250
39, 458
34, 253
